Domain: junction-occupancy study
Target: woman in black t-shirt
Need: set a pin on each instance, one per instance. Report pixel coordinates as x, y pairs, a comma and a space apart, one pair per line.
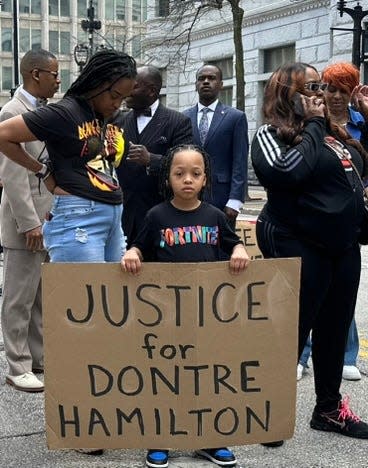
84, 148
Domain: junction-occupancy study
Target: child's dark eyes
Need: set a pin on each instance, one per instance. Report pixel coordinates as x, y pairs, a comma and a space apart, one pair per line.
180, 174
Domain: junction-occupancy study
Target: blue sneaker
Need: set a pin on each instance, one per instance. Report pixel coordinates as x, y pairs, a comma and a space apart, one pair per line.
157, 458
220, 456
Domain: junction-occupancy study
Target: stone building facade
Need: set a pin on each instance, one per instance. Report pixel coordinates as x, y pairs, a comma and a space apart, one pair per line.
273, 32
55, 25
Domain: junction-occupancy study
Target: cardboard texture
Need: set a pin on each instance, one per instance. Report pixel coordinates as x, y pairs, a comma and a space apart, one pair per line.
246, 230
181, 356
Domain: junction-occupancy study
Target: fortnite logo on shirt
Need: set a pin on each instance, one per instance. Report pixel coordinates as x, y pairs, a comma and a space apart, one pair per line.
189, 235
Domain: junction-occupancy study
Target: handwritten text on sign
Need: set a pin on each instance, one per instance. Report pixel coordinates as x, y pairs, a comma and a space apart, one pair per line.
182, 356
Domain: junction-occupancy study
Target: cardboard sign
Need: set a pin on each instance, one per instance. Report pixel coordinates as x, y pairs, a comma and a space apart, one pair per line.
181, 356
246, 230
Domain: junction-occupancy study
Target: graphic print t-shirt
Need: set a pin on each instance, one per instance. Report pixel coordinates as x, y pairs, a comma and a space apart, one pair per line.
83, 150
173, 235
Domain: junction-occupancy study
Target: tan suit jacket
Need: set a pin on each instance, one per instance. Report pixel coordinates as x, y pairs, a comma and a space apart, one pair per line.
23, 206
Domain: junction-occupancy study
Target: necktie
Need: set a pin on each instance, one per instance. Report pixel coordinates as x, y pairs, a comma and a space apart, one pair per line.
203, 125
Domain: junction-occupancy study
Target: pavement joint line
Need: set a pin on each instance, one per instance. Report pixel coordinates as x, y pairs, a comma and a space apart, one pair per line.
11, 436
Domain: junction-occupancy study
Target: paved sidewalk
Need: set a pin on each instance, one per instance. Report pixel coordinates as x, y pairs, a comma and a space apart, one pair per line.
22, 424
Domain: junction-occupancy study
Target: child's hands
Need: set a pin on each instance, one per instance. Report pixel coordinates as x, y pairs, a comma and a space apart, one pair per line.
131, 261
239, 259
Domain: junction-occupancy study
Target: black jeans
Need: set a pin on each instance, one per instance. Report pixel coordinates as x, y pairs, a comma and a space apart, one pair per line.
328, 291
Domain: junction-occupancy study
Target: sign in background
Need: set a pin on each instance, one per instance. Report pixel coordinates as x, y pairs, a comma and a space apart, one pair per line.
181, 356
246, 230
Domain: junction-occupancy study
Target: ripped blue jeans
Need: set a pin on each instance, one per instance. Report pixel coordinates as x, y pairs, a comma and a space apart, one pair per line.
81, 230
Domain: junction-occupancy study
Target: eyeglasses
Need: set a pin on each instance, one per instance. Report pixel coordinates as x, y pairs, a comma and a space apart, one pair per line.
314, 87
55, 74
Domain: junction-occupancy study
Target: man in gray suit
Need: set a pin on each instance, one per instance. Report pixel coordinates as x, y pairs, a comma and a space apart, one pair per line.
24, 204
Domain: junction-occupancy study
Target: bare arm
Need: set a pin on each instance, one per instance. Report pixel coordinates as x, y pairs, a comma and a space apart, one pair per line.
13, 132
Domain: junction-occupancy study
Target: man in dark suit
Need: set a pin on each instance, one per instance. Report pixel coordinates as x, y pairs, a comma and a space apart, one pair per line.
223, 132
150, 129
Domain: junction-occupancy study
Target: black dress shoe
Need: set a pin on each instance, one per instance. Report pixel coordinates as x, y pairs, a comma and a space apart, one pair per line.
276, 443
37, 370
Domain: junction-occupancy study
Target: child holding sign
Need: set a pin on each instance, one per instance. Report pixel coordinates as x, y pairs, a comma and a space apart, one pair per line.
185, 229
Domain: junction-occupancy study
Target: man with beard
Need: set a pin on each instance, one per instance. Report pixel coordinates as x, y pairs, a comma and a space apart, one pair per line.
150, 129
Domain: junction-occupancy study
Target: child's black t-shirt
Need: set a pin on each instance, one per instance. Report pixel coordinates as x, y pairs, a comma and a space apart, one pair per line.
173, 235
83, 150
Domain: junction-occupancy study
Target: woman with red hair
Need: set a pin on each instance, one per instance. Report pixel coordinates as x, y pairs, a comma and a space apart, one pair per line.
342, 79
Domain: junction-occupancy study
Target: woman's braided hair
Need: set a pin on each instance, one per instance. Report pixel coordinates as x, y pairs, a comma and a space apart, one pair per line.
105, 66
164, 184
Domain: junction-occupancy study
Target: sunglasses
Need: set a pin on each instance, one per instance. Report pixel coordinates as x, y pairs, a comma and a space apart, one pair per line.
314, 87
55, 74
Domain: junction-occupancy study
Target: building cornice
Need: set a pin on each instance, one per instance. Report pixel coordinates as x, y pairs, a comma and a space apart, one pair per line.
260, 15
265, 14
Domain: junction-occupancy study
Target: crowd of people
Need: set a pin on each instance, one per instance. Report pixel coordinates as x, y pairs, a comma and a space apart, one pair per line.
84, 181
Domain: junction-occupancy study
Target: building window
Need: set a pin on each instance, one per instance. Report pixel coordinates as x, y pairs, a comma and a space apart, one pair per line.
136, 46
120, 10
226, 66
144, 10
115, 10
24, 40
64, 80
54, 42
226, 95
59, 42
54, 7
163, 92
64, 8
36, 7
35, 39
65, 42
7, 78
24, 6
29, 6
59, 8
7, 6
163, 72
137, 10
31, 39
109, 9
82, 8
6, 40
273, 58
162, 8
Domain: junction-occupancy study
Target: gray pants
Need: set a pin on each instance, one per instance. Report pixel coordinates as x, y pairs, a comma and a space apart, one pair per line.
21, 313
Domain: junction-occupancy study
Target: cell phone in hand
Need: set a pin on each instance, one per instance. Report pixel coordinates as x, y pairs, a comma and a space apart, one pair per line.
298, 105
